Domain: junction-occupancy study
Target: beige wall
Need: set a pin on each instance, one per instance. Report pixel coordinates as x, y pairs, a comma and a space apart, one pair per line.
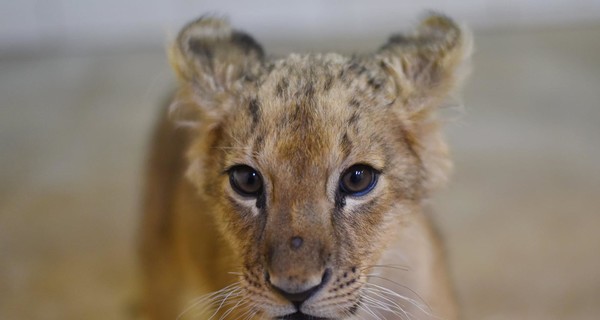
67, 25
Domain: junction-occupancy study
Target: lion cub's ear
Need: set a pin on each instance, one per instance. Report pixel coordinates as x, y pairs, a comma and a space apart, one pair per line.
215, 63
427, 65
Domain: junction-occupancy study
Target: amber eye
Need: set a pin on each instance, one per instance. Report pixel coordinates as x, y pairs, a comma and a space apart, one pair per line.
245, 180
358, 180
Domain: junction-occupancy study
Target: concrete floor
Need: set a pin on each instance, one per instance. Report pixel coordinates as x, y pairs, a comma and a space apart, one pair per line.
521, 216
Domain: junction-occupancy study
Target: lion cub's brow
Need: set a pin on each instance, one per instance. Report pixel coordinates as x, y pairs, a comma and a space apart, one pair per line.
307, 107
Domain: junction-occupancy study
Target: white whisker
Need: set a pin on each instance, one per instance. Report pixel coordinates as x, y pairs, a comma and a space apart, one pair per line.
365, 307
395, 308
221, 305
237, 305
387, 291
206, 301
390, 266
249, 313
422, 305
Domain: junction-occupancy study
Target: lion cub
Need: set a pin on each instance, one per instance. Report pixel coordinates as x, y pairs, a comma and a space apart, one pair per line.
297, 192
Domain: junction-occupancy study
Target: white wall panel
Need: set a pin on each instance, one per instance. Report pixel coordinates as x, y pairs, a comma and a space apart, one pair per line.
72, 24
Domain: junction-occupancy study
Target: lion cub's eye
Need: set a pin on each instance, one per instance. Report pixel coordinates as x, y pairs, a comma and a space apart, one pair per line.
358, 180
245, 181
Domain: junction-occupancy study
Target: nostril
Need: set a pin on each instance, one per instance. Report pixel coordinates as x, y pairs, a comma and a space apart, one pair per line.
326, 277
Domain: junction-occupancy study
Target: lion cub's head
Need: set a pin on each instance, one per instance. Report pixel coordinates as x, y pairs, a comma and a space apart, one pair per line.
310, 163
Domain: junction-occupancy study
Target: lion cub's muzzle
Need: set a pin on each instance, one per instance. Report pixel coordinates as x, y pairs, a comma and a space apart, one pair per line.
297, 267
297, 298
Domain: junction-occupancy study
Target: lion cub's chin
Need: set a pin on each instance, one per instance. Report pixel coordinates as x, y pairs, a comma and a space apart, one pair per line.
293, 188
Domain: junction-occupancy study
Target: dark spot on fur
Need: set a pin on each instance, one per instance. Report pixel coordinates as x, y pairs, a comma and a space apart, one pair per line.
354, 308
328, 83
249, 77
356, 67
354, 103
351, 71
282, 88
269, 67
353, 66
204, 51
342, 74
261, 201
309, 91
297, 113
259, 143
246, 43
375, 83
254, 108
353, 118
398, 39
340, 200
200, 48
346, 145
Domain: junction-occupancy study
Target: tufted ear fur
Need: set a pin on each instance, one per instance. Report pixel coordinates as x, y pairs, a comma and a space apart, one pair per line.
426, 67
215, 63
428, 64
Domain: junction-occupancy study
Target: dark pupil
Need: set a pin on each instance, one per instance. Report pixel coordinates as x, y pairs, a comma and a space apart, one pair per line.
356, 177
247, 180
357, 180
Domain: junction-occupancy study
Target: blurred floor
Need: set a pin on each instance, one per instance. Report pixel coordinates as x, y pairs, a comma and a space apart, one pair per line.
520, 216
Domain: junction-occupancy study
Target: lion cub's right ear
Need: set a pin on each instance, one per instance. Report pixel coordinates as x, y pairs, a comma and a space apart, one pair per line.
215, 63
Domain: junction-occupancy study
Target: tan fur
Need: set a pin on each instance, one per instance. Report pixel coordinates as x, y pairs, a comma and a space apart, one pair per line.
300, 121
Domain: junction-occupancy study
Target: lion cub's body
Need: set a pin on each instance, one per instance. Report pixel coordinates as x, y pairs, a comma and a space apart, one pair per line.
300, 122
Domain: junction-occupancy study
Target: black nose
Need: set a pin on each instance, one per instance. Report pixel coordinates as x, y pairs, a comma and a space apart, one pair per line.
297, 298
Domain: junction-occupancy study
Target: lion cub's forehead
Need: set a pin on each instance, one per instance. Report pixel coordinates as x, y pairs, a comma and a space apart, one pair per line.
295, 74
320, 89
300, 77
308, 108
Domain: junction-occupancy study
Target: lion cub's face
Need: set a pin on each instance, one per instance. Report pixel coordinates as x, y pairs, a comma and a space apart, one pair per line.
311, 162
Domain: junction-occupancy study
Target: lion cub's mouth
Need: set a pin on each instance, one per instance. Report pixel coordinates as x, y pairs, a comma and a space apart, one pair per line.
300, 316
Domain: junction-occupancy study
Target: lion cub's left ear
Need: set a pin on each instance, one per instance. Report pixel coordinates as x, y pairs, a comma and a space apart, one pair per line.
427, 65
425, 68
